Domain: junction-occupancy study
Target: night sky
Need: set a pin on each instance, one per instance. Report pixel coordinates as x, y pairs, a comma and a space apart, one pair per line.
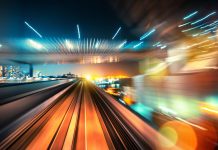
97, 18
53, 18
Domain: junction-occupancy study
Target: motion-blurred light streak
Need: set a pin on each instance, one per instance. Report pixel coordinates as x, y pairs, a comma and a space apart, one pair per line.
205, 32
192, 28
192, 124
122, 44
196, 44
78, 30
202, 19
35, 44
69, 45
190, 15
156, 44
210, 110
182, 25
33, 29
195, 35
208, 45
147, 34
163, 47
214, 36
116, 33
137, 45
159, 45
211, 29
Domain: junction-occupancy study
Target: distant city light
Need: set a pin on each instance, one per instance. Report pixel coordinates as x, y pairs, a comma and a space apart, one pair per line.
0, 45
69, 44
203, 18
137, 45
190, 15
33, 29
78, 31
35, 44
88, 77
147, 34
116, 33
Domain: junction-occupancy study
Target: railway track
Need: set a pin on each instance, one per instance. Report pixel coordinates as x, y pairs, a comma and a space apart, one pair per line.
81, 117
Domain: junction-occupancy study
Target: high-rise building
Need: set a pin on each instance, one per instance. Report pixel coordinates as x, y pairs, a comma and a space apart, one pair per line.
11, 71
1, 71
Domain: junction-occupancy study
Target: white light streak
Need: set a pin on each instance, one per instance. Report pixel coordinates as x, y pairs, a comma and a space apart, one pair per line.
116, 33
69, 45
192, 124
78, 31
192, 28
163, 47
181, 25
194, 35
33, 29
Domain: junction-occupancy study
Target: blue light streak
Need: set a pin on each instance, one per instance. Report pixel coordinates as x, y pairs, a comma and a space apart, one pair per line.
209, 25
211, 29
137, 45
203, 18
190, 15
78, 31
206, 26
147, 34
33, 29
116, 33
